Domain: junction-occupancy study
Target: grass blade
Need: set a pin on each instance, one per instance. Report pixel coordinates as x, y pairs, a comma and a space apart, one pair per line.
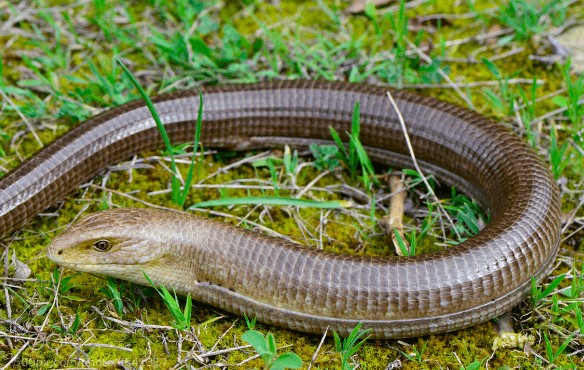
196, 142
161, 129
273, 201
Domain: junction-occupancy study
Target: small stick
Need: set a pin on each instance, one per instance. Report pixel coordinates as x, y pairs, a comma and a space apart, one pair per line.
394, 221
553, 113
23, 117
456, 85
443, 74
15, 357
317, 349
418, 169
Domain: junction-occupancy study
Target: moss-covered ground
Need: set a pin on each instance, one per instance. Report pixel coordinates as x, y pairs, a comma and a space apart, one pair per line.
58, 68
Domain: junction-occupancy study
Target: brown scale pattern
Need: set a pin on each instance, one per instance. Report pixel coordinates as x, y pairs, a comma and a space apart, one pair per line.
283, 284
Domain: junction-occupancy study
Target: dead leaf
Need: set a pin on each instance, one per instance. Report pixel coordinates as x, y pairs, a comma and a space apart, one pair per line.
21, 270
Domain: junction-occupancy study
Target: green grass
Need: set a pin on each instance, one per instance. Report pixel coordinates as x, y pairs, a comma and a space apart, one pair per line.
410, 248
573, 102
353, 155
58, 67
558, 155
416, 355
347, 347
528, 18
272, 201
182, 318
113, 292
552, 354
178, 196
537, 294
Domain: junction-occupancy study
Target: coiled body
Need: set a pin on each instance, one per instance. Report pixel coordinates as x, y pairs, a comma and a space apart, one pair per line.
281, 283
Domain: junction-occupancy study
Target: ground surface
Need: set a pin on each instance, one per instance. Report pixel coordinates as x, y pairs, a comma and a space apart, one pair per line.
58, 68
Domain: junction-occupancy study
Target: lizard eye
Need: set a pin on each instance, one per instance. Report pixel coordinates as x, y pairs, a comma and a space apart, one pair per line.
102, 245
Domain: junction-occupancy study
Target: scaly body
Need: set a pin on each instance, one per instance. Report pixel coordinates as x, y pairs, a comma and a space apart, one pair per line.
280, 282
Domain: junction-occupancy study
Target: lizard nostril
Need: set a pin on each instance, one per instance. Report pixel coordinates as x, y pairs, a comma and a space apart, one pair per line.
60, 252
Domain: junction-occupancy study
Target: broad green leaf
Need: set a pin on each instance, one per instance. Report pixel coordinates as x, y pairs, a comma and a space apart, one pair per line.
287, 360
